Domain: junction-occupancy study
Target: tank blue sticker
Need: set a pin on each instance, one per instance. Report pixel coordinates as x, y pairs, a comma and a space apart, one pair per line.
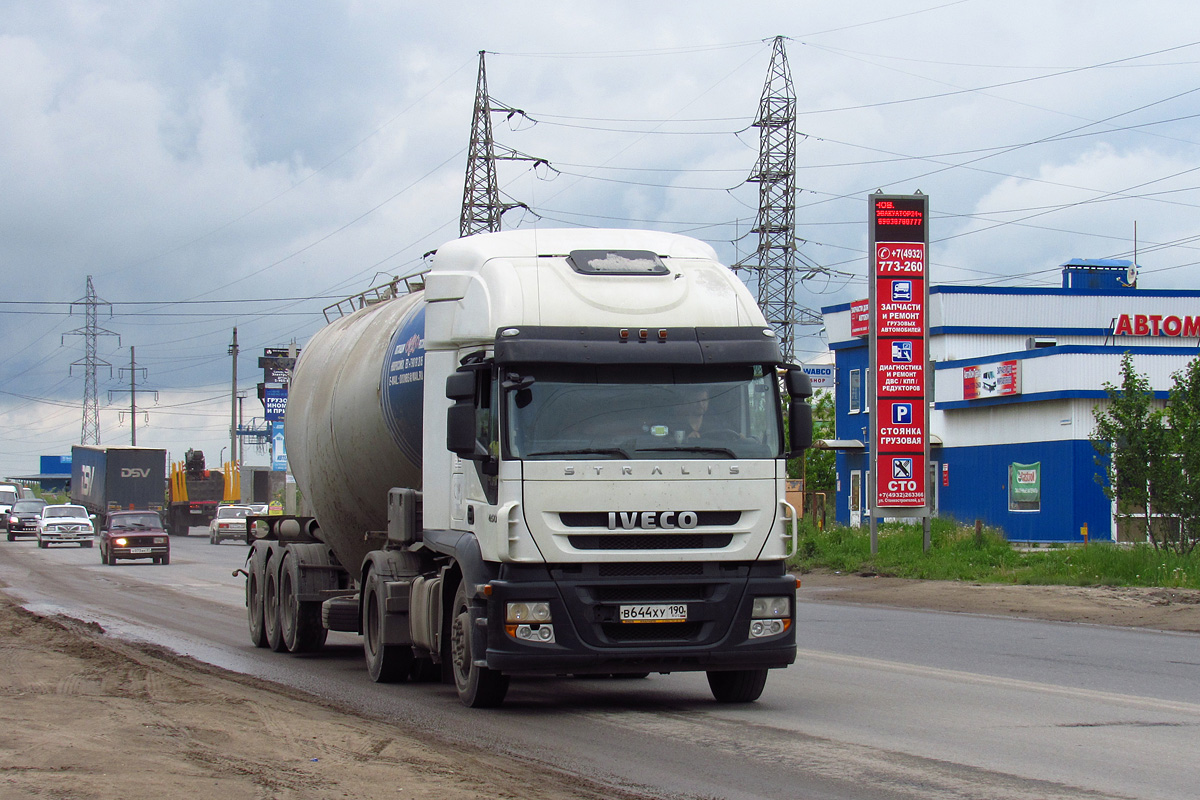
404, 384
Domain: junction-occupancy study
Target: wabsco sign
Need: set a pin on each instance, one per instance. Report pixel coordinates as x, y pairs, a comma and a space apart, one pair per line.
1156, 325
899, 338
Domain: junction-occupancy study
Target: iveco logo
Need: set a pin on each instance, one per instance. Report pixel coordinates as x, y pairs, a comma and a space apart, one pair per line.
133, 472
667, 520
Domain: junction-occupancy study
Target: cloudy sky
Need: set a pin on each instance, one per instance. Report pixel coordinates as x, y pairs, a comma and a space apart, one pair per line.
218, 164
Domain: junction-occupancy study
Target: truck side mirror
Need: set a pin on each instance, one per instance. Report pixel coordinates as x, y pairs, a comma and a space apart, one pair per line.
461, 434
800, 426
800, 418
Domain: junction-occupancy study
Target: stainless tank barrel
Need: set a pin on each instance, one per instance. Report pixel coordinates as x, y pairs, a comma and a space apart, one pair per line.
354, 420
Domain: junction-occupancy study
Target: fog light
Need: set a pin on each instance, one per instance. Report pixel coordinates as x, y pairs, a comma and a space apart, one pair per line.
761, 628
528, 612
541, 633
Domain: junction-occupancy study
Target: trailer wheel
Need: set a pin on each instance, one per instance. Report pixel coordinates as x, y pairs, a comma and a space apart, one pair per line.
300, 622
271, 622
387, 663
478, 687
737, 686
255, 579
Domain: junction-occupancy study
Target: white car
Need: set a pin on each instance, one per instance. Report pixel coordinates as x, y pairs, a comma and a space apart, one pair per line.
229, 523
65, 524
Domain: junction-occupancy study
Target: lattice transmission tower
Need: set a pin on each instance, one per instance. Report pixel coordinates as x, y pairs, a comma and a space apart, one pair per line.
482, 206
776, 259
91, 361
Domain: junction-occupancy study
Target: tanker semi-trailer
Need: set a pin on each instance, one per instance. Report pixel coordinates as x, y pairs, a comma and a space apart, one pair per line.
564, 454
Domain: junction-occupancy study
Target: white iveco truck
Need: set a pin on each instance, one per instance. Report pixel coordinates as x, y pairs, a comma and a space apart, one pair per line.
564, 455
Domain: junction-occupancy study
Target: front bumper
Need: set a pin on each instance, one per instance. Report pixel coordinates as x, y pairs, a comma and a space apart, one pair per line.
62, 537
590, 638
139, 550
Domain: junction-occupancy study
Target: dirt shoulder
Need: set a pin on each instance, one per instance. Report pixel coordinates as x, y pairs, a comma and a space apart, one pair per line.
85, 716
1158, 609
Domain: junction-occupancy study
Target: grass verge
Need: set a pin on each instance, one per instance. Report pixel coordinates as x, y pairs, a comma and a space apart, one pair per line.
957, 554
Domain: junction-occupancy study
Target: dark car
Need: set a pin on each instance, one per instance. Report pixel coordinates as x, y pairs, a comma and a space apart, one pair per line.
134, 534
23, 517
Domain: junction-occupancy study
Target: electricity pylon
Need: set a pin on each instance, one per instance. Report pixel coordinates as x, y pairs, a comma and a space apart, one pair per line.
482, 206
90, 362
775, 259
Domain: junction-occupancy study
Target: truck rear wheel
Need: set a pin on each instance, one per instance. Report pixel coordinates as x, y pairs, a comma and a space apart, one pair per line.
737, 686
255, 578
387, 663
271, 624
299, 622
478, 687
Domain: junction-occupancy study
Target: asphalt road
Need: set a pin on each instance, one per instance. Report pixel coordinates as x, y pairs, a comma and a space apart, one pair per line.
882, 703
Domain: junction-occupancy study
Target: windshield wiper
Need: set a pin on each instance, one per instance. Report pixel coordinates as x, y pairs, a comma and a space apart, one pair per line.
691, 449
604, 451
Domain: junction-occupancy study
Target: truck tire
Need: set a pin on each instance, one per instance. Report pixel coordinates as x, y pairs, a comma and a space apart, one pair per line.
386, 663
737, 686
478, 687
255, 581
271, 607
299, 622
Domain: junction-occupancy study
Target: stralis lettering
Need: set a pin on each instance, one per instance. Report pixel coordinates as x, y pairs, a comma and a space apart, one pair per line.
666, 520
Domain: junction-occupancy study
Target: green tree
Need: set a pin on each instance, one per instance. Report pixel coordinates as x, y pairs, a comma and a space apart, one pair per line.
1178, 474
1130, 443
820, 470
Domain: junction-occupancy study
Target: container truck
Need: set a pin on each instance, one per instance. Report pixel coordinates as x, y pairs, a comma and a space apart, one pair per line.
563, 454
193, 494
107, 479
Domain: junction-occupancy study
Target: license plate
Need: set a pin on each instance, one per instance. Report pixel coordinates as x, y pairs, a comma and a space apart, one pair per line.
140, 550
676, 612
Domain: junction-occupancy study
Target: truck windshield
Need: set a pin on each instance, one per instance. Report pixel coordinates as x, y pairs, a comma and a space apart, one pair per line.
636, 412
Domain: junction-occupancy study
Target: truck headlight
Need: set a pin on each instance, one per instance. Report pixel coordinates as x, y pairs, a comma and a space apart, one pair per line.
529, 622
528, 612
771, 608
770, 616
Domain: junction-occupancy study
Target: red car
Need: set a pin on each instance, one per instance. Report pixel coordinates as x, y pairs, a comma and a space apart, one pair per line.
134, 534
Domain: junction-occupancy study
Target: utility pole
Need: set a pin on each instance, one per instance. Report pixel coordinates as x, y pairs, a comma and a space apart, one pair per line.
90, 332
481, 206
233, 409
776, 257
133, 370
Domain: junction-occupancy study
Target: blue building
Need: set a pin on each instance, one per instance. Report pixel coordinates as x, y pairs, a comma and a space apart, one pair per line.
54, 474
1017, 374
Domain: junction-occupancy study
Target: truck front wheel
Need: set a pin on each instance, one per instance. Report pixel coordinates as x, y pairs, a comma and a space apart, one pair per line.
387, 663
478, 687
737, 686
